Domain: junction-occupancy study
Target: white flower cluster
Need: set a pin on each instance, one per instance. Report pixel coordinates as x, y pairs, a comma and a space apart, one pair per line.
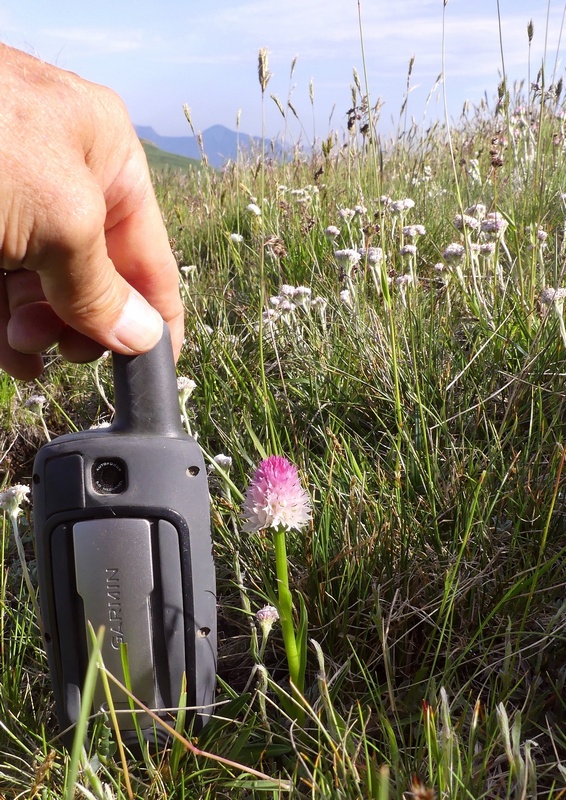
288, 300
373, 255
332, 232
400, 206
413, 231
305, 195
222, 461
494, 225
36, 403
266, 617
487, 229
185, 388
466, 222
454, 253
11, 499
347, 259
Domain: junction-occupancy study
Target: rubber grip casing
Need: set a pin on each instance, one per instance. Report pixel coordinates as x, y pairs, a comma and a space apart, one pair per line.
123, 540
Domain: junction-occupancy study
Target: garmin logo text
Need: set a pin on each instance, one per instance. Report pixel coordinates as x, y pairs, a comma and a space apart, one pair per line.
114, 607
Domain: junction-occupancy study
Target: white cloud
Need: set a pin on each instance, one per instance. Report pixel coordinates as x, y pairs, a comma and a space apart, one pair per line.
327, 30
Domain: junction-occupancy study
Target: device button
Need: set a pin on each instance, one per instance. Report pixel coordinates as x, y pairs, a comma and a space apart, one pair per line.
64, 483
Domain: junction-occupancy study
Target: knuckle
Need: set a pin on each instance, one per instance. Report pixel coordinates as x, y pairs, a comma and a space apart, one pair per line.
76, 218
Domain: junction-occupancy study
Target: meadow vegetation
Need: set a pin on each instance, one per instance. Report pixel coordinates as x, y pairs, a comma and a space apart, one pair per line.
384, 313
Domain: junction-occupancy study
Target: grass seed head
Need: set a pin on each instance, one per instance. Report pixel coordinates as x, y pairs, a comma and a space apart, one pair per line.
263, 71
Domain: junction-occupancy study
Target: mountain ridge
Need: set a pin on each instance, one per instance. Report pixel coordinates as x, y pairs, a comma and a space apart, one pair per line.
220, 144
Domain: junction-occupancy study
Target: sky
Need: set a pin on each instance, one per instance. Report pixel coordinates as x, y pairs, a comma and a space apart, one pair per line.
161, 54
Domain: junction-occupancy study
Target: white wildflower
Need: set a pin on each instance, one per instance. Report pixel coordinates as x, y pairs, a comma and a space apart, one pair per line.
303, 295
223, 461
454, 253
412, 231
185, 388
541, 235
494, 224
266, 617
348, 258
11, 499
396, 206
332, 232
466, 222
286, 308
487, 249
373, 255
36, 403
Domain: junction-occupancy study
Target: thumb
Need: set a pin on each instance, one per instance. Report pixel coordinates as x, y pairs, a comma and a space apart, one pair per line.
89, 295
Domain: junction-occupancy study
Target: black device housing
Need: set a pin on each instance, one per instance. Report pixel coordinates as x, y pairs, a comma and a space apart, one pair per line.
122, 530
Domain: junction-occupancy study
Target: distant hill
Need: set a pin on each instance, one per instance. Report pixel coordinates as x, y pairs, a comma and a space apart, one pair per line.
220, 143
159, 159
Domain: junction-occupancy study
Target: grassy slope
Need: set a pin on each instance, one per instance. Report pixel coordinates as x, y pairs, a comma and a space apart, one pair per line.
159, 160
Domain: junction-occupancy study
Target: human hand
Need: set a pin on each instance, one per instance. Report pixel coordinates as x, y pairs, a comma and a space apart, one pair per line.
85, 260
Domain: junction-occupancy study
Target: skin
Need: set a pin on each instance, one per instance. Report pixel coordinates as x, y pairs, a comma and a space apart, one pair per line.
85, 260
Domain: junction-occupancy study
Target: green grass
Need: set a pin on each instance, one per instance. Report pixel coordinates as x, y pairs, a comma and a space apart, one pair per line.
428, 424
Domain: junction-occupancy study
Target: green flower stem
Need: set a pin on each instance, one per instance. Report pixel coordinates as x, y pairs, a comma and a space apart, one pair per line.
286, 609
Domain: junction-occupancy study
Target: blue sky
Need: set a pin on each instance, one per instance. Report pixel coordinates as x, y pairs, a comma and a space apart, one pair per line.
160, 54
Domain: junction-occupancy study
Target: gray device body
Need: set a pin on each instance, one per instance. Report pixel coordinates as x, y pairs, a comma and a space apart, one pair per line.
122, 530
